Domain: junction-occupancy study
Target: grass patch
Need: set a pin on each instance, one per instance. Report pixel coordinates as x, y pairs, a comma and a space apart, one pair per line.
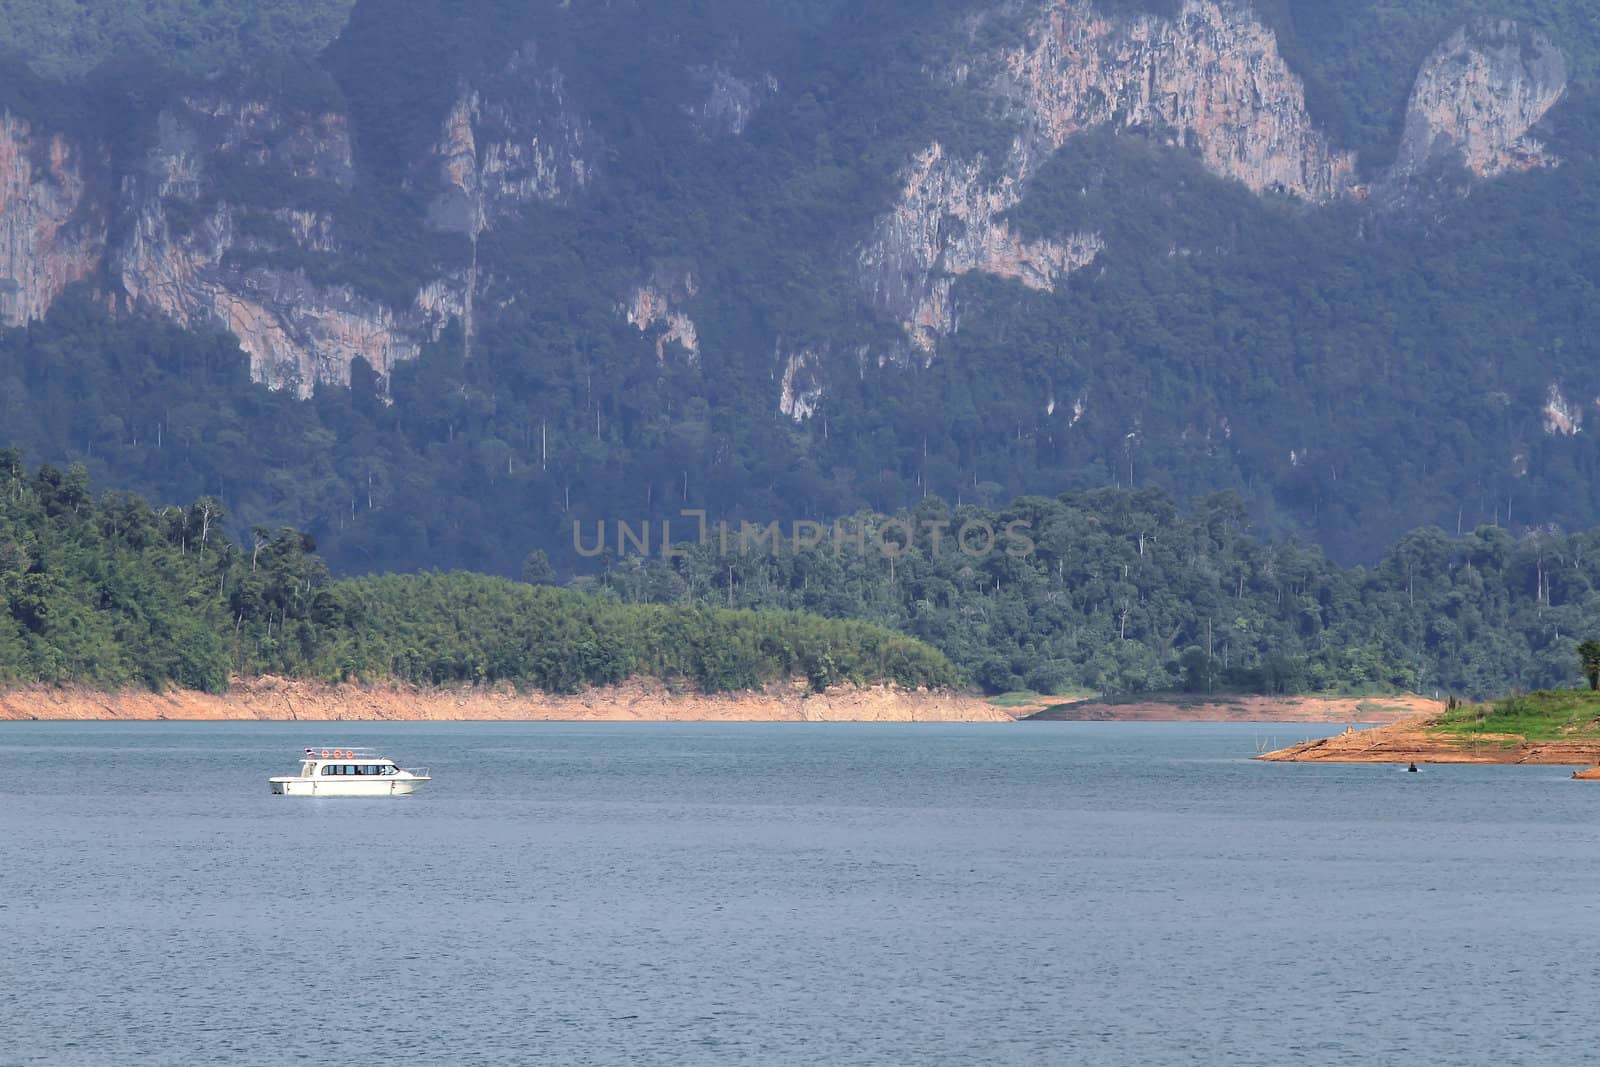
1551, 715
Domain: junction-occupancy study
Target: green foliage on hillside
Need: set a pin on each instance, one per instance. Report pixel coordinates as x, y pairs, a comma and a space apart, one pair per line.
110, 592
1125, 592
70, 37
435, 629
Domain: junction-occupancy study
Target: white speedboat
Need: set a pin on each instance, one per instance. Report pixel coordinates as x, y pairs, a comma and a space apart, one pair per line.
349, 772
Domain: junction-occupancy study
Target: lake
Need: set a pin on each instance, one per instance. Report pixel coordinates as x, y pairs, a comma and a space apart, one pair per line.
911, 894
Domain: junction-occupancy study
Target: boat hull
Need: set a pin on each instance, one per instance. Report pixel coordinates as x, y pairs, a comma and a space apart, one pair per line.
342, 786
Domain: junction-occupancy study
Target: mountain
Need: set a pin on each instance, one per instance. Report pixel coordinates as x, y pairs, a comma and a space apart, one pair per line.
479, 271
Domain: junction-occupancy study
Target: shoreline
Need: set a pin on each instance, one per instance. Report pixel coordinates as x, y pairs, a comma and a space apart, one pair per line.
273, 699
1412, 741
1243, 709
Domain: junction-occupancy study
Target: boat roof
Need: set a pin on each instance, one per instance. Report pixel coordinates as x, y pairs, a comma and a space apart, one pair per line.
321, 752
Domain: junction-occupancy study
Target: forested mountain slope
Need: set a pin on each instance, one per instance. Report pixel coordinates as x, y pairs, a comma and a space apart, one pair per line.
111, 592
1117, 591
477, 272
1121, 591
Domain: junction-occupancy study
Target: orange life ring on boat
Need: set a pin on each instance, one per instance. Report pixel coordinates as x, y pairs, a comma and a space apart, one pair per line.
324, 753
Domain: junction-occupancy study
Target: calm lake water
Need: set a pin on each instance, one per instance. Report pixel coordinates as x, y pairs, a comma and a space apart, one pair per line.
571, 894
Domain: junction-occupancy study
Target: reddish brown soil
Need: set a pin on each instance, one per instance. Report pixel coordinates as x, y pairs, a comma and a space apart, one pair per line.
1410, 742
278, 698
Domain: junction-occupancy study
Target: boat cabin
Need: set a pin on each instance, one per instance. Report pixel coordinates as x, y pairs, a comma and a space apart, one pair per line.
345, 761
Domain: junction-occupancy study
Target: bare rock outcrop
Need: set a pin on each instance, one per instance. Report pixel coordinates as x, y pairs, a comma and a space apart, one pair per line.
52, 229
1210, 80
184, 226
1478, 96
651, 308
801, 386
187, 232
510, 140
948, 222
1561, 416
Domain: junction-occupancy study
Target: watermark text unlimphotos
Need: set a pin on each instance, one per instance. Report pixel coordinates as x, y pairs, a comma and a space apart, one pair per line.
881, 535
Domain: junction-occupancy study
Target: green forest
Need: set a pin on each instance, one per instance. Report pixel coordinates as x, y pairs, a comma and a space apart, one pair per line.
109, 591
1115, 591
1126, 592
72, 37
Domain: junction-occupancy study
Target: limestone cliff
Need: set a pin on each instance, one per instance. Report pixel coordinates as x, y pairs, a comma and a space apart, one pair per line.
184, 225
1477, 98
52, 230
1211, 81
1561, 416
510, 140
213, 226
230, 215
948, 223
801, 388
651, 309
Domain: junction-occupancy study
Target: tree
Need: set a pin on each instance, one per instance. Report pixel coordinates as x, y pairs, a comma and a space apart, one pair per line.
1589, 652
536, 569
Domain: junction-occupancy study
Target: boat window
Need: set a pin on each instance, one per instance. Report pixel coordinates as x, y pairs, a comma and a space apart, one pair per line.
327, 768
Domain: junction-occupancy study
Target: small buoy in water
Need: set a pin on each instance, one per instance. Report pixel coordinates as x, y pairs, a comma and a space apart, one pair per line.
1412, 768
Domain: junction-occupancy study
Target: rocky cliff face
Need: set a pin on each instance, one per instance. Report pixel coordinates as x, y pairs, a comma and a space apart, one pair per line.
225, 221
949, 223
800, 382
651, 310
211, 227
1477, 98
1561, 416
1212, 81
186, 226
510, 140
52, 230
